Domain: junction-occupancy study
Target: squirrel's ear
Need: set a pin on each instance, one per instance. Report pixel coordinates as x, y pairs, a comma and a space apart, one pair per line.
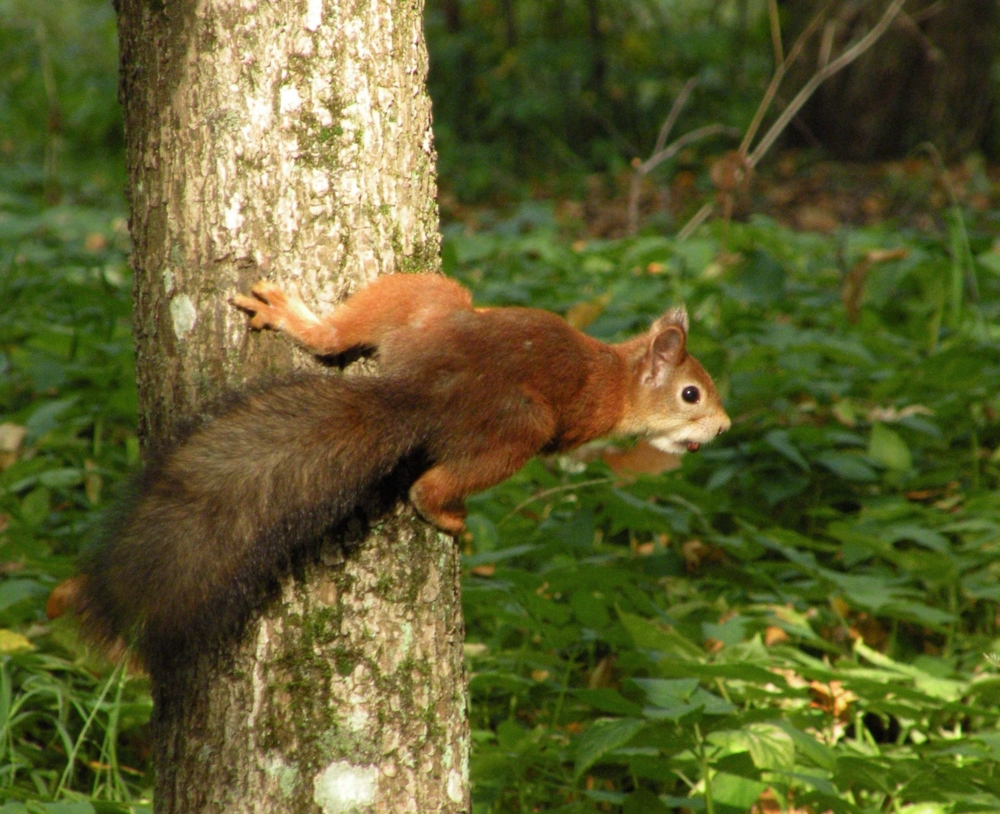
676, 317
667, 350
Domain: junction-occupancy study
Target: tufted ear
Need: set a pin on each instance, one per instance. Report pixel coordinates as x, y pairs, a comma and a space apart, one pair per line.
667, 346
676, 317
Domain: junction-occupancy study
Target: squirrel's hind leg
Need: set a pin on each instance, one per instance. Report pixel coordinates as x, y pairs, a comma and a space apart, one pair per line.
439, 494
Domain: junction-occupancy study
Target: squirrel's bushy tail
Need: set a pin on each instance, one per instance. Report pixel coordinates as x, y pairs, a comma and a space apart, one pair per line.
209, 528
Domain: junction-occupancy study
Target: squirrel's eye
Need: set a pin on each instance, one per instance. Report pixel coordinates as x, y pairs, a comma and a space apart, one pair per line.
691, 394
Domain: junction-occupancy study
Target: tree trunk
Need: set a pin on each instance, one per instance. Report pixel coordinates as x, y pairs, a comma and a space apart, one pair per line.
291, 139
928, 79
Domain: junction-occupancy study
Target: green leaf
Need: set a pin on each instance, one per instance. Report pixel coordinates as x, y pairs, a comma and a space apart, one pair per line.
666, 693
730, 632
644, 801
14, 591
61, 478
510, 735
935, 686
608, 700
710, 703
762, 280
497, 556
919, 534
735, 671
738, 792
649, 635
847, 466
484, 532
675, 698
912, 611
889, 449
779, 440
47, 416
601, 737
35, 506
630, 512
806, 745
769, 745
12, 642
989, 260
590, 609
869, 592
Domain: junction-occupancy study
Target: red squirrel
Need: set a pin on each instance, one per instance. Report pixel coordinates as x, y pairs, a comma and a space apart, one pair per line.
471, 393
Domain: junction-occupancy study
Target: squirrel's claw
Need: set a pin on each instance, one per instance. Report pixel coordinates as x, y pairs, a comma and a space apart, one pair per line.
266, 306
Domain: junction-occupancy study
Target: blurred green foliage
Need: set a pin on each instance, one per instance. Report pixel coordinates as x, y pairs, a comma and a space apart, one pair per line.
808, 606
527, 89
58, 78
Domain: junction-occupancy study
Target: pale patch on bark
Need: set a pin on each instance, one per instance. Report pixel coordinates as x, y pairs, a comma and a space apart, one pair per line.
233, 218
357, 719
259, 687
342, 787
314, 14
290, 99
456, 788
431, 590
284, 775
183, 314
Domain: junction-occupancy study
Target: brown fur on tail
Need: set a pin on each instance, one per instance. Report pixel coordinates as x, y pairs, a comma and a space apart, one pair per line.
204, 534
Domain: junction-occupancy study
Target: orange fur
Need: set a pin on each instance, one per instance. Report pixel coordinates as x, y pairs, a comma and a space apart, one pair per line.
510, 382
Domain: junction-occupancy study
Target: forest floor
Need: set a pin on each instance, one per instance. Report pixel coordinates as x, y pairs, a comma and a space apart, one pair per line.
798, 191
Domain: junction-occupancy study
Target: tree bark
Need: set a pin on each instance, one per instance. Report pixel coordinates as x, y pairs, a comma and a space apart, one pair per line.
928, 79
293, 140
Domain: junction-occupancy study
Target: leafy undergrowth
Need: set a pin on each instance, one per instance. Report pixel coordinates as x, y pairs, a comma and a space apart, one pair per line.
69, 731
799, 618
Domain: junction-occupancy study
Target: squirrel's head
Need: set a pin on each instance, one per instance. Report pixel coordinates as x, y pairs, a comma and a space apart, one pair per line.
673, 402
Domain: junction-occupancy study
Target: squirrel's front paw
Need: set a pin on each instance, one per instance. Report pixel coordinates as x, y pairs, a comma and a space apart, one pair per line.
268, 307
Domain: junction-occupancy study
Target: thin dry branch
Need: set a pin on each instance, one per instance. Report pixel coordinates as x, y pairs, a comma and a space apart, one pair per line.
772, 16
690, 137
828, 70
779, 75
675, 111
699, 218
826, 45
910, 23
662, 153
